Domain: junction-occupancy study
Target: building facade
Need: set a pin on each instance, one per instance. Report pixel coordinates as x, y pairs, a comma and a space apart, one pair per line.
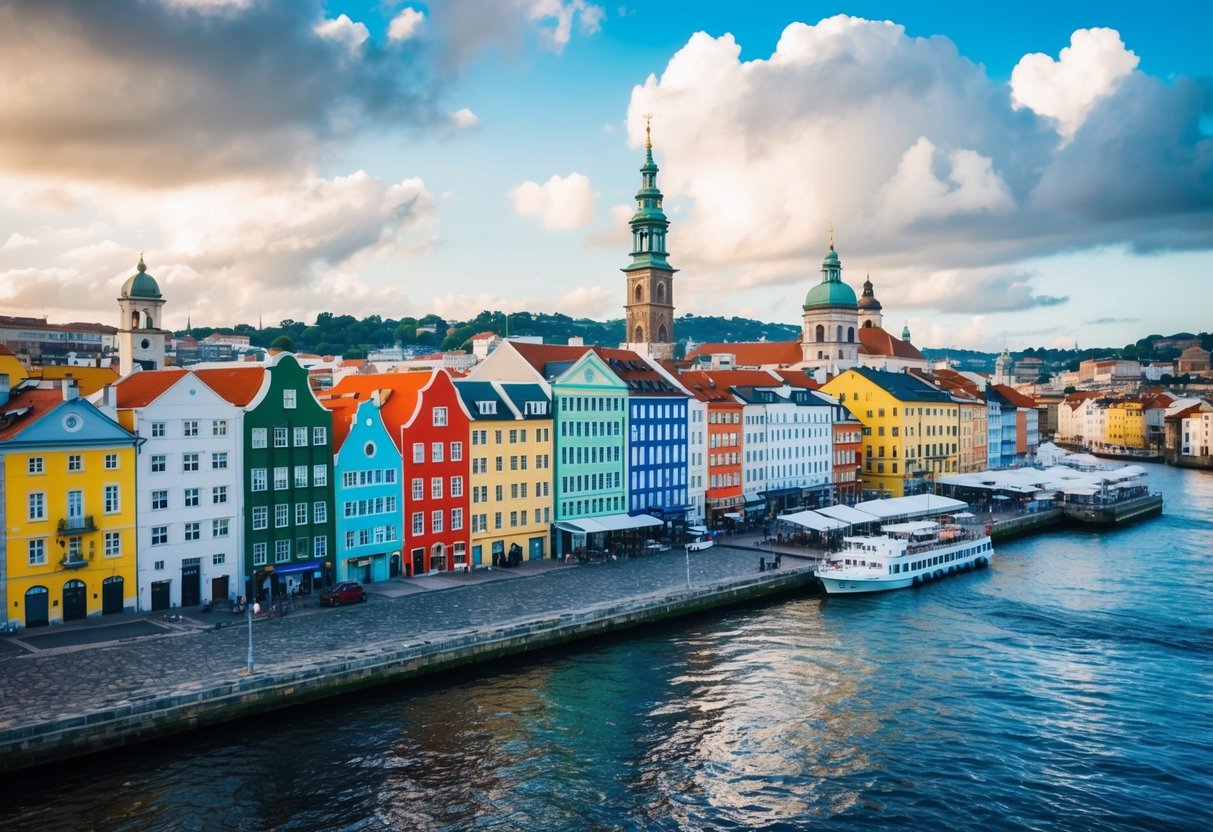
367, 472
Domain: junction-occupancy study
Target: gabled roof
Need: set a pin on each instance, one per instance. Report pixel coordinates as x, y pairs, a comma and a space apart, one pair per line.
473, 393
345, 411
238, 385
521, 393
874, 340
755, 353
399, 392
902, 386
1014, 397
797, 378
25, 408
641, 377
142, 388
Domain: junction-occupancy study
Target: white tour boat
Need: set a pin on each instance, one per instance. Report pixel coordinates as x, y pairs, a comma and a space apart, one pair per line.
701, 539
905, 554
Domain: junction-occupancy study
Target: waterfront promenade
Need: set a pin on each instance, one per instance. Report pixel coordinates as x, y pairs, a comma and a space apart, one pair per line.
78, 672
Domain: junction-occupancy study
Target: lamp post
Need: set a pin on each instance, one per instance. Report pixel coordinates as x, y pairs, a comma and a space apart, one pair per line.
249, 668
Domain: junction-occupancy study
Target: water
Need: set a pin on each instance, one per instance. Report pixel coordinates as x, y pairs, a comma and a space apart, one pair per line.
1069, 687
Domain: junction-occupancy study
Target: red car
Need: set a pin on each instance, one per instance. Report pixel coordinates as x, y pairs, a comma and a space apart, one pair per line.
346, 592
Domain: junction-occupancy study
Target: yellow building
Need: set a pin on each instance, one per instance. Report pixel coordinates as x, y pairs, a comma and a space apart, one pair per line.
911, 429
67, 475
1126, 425
511, 478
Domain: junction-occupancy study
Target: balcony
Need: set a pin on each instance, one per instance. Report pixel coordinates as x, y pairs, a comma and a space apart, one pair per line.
77, 525
75, 561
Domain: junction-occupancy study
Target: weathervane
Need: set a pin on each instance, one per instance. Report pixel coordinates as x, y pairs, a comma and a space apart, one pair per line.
648, 139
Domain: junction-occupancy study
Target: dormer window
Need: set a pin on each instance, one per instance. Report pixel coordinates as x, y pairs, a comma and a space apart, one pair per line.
487, 408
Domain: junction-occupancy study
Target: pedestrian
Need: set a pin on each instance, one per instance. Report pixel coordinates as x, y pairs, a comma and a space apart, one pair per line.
256, 608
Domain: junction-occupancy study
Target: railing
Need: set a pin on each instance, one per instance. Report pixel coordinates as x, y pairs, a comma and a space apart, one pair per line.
77, 525
73, 561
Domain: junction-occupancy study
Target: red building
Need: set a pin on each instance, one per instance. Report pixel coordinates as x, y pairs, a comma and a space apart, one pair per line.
425, 416
724, 452
848, 458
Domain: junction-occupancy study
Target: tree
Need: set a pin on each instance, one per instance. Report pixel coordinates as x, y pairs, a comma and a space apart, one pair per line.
284, 343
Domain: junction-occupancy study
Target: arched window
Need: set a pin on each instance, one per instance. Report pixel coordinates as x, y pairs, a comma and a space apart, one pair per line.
821, 333
660, 292
639, 293
867, 324
662, 335
639, 339
850, 335
135, 320
839, 338
840, 353
147, 319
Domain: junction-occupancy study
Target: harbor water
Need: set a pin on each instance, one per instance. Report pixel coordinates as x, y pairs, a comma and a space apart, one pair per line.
1070, 686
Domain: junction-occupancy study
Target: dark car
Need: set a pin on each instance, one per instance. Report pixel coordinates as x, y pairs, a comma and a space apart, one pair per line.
346, 592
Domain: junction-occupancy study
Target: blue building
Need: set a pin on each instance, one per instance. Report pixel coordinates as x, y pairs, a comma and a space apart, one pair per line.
367, 468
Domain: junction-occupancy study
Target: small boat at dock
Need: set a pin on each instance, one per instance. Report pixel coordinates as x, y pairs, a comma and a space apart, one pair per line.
905, 555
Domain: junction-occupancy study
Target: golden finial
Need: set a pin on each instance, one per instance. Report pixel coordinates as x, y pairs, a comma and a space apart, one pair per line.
648, 138
831, 236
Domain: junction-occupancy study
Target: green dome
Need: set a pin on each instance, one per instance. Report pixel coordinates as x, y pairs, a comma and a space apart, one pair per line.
831, 293
141, 284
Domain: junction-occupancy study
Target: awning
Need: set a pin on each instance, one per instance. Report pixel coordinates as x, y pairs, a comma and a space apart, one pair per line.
758, 509
782, 492
754, 503
732, 515
813, 520
846, 514
609, 523
310, 566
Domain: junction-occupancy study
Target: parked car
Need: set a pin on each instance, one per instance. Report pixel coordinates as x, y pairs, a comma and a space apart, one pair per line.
346, 592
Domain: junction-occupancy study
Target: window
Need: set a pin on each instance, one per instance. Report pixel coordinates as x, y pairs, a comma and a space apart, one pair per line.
189, 427
220, 527
456, 452
111, 501
191, 497
111, 462
300, 437
37, 506
439, 417
436, 521
113, 544
282, 551
320, 475
258, 479
259, 437
35, 465
261, 518
158, 431
193, 531
189, 462
219, 460
36, 549
218, 559
418, 488
436, 452
436, 488
320, 547
282, 516
497, 520
320, 435
456, 519
300, 514
219, 494
159, 500
418, 522
159, 463
281, 478
418, 452
280, 438
456, 486
301, 476
75, 462
159, 535
288, 399
219, 428
320, 512
259, 554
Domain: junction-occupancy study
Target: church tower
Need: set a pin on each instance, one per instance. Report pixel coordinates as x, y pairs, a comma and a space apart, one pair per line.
870, 314
649, 309
141, 341
831, 316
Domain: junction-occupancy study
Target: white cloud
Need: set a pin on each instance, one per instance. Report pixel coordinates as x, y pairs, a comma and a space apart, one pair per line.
562, 14
406, 25
916, 192
464, 119
16, 240
1087, 70
560, 203
349, 33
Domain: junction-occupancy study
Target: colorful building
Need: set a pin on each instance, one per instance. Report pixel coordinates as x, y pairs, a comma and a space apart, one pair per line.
511, 470
67, 476
189, 489
287, 475
723, 498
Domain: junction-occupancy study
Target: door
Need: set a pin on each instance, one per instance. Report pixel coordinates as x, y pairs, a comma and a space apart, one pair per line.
37, 606
112, 596
75, 601
395, 565
75, 509
438, 558
219, 589
191, 585
536, 549
160, 595
418, 561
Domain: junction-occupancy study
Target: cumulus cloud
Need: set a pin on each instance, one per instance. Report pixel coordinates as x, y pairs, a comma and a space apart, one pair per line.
923, 163
1087, 70
464, 119
468, 28
560, 203
406, 25
206, 90
16, 240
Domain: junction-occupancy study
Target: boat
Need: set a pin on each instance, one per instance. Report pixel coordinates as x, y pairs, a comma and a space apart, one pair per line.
701, 539
904, 555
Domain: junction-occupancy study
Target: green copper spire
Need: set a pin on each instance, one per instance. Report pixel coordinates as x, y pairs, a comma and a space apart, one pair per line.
831, 291
649, 223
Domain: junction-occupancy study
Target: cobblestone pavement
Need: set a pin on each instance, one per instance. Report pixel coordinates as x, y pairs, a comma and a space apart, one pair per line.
70, 681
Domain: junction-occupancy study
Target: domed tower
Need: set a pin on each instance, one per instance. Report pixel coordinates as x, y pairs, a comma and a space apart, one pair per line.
141, 341
869, 308
1003, 366
831, 316
649, 308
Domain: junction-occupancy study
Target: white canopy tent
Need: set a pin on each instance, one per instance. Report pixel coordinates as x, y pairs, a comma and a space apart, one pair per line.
847, 515
813, 520
608, 523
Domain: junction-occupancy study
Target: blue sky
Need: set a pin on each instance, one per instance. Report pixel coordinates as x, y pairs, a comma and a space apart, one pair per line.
278, 159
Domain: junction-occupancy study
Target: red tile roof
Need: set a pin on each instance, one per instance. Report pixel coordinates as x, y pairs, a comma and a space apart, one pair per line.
236, 384
40, 402
874, 340
399, 397
797, 378
1015, 397
755, 353
142, 388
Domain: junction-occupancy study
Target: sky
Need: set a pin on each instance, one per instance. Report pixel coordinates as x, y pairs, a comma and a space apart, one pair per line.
1008, 175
